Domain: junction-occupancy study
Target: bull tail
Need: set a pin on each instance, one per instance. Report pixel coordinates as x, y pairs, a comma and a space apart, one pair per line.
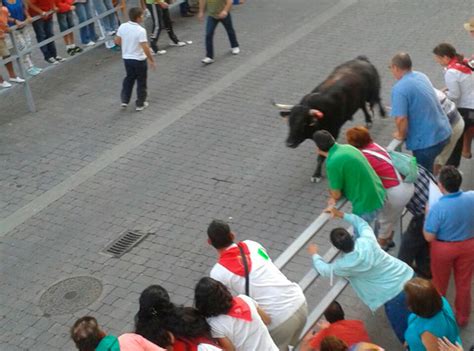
363, 58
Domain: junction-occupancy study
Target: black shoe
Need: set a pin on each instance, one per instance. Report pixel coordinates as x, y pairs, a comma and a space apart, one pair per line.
77, 50
187, 14
71, 51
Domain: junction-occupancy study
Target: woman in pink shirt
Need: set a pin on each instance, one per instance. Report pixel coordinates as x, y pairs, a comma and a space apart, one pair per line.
398, 192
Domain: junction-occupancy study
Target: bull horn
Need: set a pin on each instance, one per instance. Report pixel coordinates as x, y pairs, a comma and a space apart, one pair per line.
282, 106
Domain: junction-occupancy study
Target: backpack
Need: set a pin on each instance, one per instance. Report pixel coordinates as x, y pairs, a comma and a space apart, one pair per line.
404, 164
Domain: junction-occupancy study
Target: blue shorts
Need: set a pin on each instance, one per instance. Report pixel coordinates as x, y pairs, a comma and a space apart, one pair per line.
65, 21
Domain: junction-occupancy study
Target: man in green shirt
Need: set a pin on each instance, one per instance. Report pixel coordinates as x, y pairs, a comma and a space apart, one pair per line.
217, 11
350, 175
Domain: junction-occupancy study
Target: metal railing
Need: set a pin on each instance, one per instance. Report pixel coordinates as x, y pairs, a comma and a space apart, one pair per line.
310, 277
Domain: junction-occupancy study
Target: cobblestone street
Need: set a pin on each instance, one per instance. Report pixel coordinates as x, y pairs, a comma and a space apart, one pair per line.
80, 171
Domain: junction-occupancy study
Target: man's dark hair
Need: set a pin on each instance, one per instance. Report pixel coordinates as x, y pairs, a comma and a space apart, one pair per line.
342, 240
324, 140
334, 312
212, 298
135, 13
219, 234
450, 178
402, 60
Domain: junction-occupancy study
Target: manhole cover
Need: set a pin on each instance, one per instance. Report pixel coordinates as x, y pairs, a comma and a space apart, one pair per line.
70, 295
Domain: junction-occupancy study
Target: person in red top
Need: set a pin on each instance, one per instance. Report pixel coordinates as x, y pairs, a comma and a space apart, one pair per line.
398, 192
65, 22
43, 27
349, 331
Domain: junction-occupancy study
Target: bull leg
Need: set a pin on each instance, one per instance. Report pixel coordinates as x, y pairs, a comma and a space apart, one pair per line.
368, 117
316, 178
382, 112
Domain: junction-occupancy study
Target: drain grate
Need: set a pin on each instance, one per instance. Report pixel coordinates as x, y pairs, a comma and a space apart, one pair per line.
124, 243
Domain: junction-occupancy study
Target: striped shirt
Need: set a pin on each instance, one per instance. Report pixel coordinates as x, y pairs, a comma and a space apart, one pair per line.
417, 203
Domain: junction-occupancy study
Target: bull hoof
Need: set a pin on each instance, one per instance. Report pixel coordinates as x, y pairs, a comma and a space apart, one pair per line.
315, 179
368, 125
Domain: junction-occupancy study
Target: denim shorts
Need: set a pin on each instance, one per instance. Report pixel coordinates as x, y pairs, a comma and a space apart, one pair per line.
65, 21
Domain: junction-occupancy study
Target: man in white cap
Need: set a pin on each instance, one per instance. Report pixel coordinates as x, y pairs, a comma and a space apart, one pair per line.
469, 26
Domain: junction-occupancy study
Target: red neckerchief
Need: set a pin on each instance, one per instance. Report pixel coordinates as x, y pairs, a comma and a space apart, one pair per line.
232, 260
240, 310
181, 344
455, 64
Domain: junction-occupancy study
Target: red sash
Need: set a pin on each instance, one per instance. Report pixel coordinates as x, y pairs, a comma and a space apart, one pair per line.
240, 310
459, 66
232, 259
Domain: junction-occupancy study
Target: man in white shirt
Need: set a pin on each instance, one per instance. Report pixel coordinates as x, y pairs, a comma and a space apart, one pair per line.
280, 298
131, 36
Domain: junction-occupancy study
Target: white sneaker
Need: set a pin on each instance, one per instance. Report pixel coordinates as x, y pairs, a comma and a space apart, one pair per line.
160, 52
179, 43
91, 43
141, 108
112, 32
17, 80
235, 51
207, 60
123, 105
189, 42
100, 38
5, 84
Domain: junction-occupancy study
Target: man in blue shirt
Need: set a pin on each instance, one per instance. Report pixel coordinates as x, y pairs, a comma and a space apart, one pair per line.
449, 226
376, 277
419, 117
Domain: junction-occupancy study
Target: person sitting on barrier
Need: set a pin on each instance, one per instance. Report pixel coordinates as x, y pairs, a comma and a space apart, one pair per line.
88, 336
350, 331
65, 22
21, 18
431, 316
43, 28
449, 227
166, 325
238, 323
4, 52
282, 299
398, 192
376, 277
350, 175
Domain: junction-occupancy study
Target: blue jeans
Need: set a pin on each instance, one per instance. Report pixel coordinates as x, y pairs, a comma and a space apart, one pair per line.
109, 22
426, 157
83, 12
65, 20
44, 29
397, 313
210, 29
136, 71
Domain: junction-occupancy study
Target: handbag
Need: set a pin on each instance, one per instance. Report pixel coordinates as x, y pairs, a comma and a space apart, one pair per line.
246, 267
404, 164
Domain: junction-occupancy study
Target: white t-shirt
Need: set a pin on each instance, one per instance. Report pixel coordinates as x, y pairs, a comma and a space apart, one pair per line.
272, 290
460, 88
245, 335
132, 35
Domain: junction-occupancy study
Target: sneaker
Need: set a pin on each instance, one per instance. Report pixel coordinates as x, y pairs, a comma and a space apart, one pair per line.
235, 51
91, 43
101, 38
159, 52
33, 71
124, 105
189, 42
207, 60
77, 49
5, 84
52, 60
59, 59
17, 80
179, 44
141, 108
112, 32
71, 51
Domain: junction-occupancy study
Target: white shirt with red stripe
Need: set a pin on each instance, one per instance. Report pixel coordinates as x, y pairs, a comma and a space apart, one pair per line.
245, 334
275, 294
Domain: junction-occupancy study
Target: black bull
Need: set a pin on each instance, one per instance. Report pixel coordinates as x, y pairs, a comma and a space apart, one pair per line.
352, 85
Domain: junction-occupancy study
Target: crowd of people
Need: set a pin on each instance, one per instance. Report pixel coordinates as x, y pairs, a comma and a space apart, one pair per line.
40, 13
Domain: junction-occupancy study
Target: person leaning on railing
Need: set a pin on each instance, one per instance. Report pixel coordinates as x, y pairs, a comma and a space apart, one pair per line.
4, 52
43, 27
19, 16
